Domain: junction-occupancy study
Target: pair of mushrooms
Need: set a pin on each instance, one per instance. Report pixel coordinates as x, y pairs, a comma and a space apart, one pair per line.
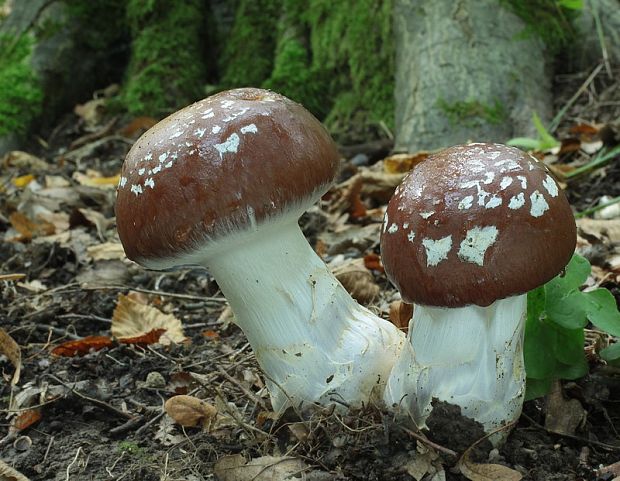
222, 183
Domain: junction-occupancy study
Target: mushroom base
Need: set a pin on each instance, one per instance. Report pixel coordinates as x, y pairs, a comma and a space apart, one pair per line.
313, 342
470, 356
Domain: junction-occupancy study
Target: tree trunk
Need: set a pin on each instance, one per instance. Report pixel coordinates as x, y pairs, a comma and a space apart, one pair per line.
465, 71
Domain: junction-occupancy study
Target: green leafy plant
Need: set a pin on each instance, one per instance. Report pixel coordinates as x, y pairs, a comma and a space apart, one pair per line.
544, 141
554, 331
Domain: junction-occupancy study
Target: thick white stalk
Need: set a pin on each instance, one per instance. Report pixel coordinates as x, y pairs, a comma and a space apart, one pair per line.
312, 340
470, 356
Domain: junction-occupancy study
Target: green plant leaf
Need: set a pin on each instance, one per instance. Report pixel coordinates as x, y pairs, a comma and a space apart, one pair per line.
602, 311
539, 337
568, 346
536, 388
526, 143
547, 140
565, 303
611, 354
571, 4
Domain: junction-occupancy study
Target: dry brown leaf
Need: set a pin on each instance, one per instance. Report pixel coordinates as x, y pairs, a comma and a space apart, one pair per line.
94, 179
403, 163
91, 112
191, 412
11, 350
55, 181
602, 229
400, 314
151, 337
28, 228
373, 262
90, 217
25, 419
563, 416
486, 472
11, 277
7, 473
106, 251
137, 126
357, 280
22, 181
24, 160
132, 319
82, 347
265, 468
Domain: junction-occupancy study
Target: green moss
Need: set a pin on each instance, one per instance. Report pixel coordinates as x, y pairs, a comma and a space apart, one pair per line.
550, 20
106, 21
352, 46
248, 55
21, 96
166, 69
472, 113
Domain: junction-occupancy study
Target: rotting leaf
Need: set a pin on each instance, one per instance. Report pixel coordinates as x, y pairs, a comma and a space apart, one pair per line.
400, 314
25, 419
7, 473
11, 350
403, 163
24, 160
93, 179
82, 347
357, 280
106, 251
23, 181
190, 411
265, 468
131, 319
28, 228
373, 262
563, 416
486, 472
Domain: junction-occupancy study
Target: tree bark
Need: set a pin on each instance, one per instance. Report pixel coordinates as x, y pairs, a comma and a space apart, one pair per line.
465, 71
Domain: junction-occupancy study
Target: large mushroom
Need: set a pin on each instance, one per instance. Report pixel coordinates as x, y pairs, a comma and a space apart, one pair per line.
221, 184
467, 234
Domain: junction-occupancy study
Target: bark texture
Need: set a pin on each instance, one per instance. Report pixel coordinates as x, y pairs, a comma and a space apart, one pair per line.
465, 71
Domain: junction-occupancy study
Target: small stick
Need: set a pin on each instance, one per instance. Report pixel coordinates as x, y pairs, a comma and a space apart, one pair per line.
428, 442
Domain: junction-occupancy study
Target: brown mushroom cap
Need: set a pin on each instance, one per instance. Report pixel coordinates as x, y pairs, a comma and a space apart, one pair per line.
218, 166
476, 223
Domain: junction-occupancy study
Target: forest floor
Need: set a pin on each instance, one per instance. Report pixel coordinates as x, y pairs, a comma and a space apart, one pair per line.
94, 409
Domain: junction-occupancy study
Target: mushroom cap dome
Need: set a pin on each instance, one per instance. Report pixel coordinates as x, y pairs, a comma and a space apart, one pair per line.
475, 223
220, 166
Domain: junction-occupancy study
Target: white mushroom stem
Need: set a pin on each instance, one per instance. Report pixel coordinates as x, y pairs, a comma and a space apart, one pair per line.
312, 340
470, 356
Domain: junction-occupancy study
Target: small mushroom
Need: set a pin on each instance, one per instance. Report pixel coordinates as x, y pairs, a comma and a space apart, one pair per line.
221, 184
467, 234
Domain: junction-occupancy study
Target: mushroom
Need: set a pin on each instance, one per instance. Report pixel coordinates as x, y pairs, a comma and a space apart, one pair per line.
466, 235
221, 184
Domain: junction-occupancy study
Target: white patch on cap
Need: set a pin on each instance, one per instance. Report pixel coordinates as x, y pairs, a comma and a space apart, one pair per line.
136, 189
494, 155
163, 157
466, 202
150, 183
476, 243
216, 129
426, 215
178, 133
141, 171
539, 204
122, 182
523, 181
200, 132
488, 177
385, 222
493, 202
550, 186
234, 115
156, 170
168, 165
437, 250
517, 201
505, 183
227, 104
482, 195
148, 156
249, 128
231, 144
411, 236
406, 225
471, 183
508, 165
208, 115
393, 228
